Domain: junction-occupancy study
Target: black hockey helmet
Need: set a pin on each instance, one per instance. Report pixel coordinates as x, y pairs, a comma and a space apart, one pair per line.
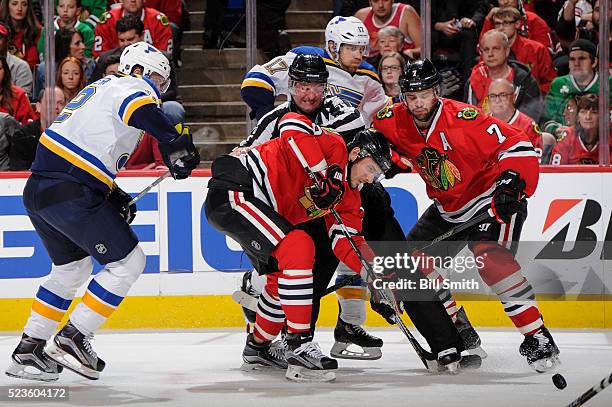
308, 68
372, 144
419, 75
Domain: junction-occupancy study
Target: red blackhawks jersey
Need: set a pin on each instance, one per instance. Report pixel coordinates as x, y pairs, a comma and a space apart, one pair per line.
280, 180
571, 150
157, 31
523, 122
461, 156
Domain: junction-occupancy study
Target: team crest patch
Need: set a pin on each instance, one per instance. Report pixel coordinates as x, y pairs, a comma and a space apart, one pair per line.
104, 18
384, 113
536, 128
468, 113
312, 212
163, 19
438, 170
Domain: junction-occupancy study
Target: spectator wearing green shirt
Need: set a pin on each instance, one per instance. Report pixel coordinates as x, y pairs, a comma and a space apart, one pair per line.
68, 14
564, 90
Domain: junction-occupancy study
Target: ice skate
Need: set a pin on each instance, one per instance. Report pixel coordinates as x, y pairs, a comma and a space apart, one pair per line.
267, 355
347, 334
29, 361
72, 349
448, 360
306, 361
540, 350
469, 336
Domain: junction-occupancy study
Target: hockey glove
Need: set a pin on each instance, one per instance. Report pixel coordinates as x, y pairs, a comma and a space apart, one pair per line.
385, 310
120, 200
399, 164
180, 155
330, 189
507, 196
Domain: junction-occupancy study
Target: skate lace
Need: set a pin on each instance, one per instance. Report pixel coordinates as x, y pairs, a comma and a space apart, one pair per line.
360, 331
87, 345
311, 349
277, 349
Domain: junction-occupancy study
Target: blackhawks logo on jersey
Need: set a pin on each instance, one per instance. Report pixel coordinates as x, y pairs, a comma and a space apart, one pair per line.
384, 113
312, 212
163, 19
438, 170
467, 113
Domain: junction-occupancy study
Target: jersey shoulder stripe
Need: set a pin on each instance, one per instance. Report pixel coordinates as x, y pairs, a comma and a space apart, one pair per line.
132, 103
76, 156
259, 80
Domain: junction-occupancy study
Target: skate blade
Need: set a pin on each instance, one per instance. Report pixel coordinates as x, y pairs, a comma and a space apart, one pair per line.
254, 367
452, 368
69, 362
29, 373
477, 351
245, 300
340, 350
302, 374
547, 364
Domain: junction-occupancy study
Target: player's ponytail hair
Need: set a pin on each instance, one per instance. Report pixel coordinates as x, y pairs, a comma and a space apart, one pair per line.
6, 87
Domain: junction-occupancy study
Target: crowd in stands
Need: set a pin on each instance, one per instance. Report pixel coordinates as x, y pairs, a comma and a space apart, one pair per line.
89, 36
532, 63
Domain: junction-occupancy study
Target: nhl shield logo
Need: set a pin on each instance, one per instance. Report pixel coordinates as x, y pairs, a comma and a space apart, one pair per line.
255, 245
100, 248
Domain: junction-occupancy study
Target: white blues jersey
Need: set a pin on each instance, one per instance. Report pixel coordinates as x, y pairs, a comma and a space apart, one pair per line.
361, 89
334, 113
95, 134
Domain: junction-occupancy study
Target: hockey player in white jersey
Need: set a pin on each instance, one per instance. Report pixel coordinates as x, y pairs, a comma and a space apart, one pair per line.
308, 75
350, 77
79, 212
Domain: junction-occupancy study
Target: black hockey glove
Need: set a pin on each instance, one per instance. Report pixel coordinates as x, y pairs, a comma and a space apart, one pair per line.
120, 200
180, 156
507, 196
330, 189
385, 310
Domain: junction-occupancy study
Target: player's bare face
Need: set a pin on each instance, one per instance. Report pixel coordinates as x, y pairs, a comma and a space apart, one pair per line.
133, 6
493, 52
351, 56
159, 81
588, 119
308, 97
421, 104
128, 38
365, 171
381, 8
18, 9
581, 67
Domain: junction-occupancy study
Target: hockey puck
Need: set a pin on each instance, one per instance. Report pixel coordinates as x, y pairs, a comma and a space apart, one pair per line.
559, 381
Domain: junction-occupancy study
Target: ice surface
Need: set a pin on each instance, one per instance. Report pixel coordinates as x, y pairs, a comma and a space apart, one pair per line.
201, 368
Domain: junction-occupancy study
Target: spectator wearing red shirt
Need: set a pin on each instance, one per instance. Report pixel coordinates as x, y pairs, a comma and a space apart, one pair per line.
25, 29
157, 27
580, 143
532, 26
13, 99
173, 9
146, 156
529, 52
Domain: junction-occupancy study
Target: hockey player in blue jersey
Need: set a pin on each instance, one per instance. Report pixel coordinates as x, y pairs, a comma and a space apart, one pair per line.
350, 77
80, 213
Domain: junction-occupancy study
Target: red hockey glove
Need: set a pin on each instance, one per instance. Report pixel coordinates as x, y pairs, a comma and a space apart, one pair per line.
331, 188
507, 196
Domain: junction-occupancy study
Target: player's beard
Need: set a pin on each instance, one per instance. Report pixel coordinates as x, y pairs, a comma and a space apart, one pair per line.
424, 116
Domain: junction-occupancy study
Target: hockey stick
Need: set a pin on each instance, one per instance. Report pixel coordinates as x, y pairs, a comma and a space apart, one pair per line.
592, 392
387, 296
147, 189
451, 232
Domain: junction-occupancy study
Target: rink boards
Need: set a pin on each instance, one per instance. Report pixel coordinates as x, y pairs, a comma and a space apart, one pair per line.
201, 268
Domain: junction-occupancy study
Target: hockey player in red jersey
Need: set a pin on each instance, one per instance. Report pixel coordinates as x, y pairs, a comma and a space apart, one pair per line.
157, 27
580, 143
471, 162
252, 199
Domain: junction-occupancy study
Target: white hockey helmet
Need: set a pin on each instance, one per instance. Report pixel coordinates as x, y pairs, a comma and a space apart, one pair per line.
345, 30
150, 59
